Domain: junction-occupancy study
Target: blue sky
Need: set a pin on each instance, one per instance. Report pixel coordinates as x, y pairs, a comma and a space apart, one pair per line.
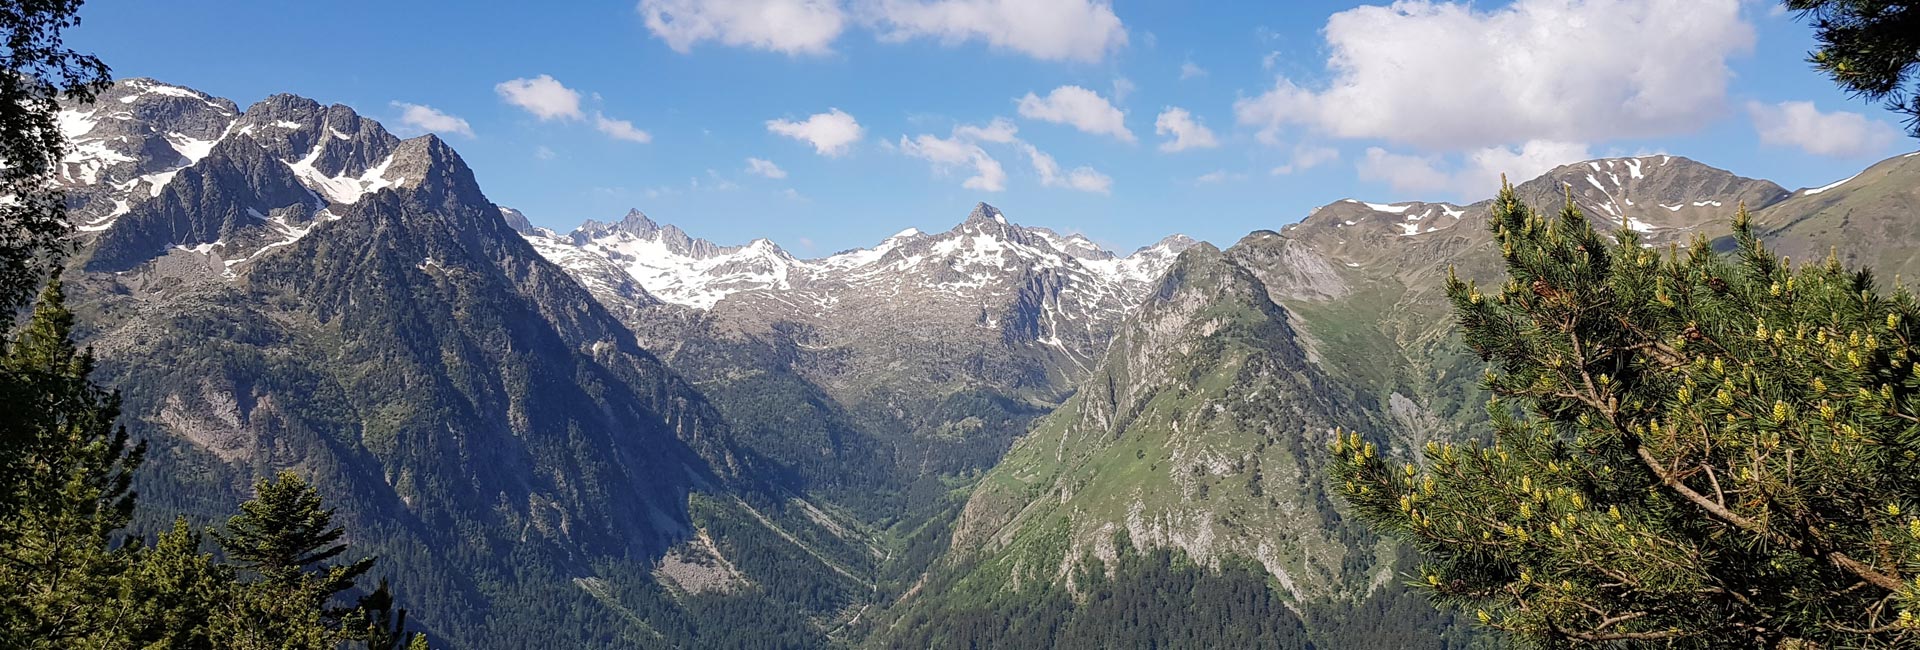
1303, 102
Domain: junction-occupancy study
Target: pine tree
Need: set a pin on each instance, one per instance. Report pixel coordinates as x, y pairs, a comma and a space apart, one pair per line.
1870, 48
1689, 449
59, 569
173, 592
287, 537
285, 534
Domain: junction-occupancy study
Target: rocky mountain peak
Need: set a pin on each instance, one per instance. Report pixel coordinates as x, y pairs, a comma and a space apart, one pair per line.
154, 167
984, 213
1650, 193
1175, 243
634, 222
516, 220
429, 164
636, 226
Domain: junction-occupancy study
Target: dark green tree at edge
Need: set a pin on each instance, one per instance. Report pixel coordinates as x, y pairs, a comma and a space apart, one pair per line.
1690, 449
1870, 48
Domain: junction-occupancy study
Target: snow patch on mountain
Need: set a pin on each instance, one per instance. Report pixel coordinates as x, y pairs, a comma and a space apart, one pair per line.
1834, 184
343, 188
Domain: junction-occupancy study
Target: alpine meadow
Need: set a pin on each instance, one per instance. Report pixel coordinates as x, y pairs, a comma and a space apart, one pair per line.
969, 324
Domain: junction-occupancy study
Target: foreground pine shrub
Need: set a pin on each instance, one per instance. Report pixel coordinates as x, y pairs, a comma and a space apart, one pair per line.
1690, 449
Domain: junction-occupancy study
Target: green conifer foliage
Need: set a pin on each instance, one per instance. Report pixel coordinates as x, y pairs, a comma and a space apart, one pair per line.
173, 591
1870, 48
71, 467
286, 535
1690, 449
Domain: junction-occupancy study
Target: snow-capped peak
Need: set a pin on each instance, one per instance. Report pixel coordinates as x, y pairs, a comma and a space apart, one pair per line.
984, 212
985, 251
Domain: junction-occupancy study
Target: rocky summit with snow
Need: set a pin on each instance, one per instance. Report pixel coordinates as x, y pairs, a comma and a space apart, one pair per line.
987, 278
966, 262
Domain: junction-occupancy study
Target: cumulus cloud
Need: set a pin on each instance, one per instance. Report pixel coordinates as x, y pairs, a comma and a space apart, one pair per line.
1077, 107
1082, 178
831, 133
428, 118
1403, 172
620, 129
542, 96
1478, 176
787, 26
964, 149
1307, 157
948, 153
764, 167
1187, 132
1191, 70
1839, 134
1050, 30
1447, 75
1485, 166
1000, 130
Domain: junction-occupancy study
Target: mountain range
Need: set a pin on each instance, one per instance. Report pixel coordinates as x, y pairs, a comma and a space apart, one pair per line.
669, 442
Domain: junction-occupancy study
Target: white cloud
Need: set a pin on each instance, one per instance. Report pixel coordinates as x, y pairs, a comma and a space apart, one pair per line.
947, 153
1083, 178
1000, 130
542, 96
620, 129
765, 168
1080, 108
1307, 157
543, 152
963, 149
1403, 172
1839, 134
786, 26
1478, 176
1187, 132
1190, 70
428, 118
1123, 87
1052, 30
831, 133
1481, 177
1447, 75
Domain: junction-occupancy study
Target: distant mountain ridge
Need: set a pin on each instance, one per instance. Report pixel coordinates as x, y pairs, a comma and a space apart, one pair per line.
698, 273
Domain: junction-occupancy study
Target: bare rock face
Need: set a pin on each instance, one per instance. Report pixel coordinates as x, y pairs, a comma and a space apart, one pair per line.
155, 170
